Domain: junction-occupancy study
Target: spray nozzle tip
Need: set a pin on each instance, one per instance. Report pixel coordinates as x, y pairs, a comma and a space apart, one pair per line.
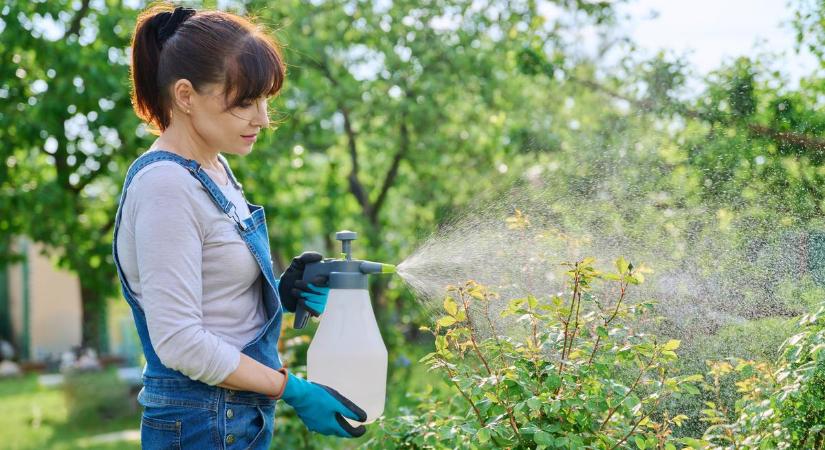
374, 267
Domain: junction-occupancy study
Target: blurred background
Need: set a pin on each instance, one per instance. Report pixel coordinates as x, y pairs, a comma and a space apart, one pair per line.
396, 117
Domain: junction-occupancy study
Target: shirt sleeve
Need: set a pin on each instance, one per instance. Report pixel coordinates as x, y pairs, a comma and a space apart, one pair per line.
169, 247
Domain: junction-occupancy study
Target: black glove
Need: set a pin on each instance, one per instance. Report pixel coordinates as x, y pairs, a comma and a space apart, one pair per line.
294, 290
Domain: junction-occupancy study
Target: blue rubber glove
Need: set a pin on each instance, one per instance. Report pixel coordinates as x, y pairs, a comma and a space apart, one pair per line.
322, 408
312, 296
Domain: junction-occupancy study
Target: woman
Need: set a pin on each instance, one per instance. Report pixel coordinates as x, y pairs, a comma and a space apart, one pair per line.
193, 256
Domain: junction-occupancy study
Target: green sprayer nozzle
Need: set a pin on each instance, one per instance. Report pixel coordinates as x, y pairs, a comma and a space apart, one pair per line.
368, 267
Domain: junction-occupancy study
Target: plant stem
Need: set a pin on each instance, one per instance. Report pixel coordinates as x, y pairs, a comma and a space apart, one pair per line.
472, 334
536, 351
623, 287
576, 324
644, 416
495, 334
576, 275
469, 400
629, 433
509, 407
593, 353
623, 290
629, 391
635, 425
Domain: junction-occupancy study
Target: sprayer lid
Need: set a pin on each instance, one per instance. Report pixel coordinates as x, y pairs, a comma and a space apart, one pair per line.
346, 235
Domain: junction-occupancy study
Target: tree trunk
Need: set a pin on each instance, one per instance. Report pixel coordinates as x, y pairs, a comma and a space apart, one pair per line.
94, 329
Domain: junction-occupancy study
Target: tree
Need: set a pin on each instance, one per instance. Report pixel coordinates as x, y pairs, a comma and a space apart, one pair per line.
68, 132
389, 110
375, 148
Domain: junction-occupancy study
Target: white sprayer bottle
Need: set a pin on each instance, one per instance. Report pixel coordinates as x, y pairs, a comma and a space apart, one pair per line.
347, 352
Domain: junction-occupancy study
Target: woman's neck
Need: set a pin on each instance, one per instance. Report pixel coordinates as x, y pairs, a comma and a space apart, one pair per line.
183, 144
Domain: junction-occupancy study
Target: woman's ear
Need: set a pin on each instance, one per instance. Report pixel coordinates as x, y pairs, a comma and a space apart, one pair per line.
182, 93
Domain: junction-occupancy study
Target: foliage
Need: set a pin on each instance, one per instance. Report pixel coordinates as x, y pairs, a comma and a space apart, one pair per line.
59, 166
381, 107
782, 405
580, 375
392, 121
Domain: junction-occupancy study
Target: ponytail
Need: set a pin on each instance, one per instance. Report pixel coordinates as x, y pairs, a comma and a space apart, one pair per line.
203, 47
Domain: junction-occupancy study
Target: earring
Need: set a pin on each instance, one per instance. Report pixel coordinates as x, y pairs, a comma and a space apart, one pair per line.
188, 111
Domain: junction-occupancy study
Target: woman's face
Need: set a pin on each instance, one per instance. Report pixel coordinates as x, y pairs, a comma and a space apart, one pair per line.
232, 131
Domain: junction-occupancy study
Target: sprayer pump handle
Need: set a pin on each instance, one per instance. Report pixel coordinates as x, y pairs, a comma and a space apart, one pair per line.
346, 235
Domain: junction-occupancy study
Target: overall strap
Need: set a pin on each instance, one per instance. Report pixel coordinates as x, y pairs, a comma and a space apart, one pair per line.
195, 169
228, 169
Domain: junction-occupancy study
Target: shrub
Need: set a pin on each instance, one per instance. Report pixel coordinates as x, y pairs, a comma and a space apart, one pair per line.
782, 405
579, 375
95, 396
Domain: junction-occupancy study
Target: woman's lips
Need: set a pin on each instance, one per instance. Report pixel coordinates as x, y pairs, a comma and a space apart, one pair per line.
250, 137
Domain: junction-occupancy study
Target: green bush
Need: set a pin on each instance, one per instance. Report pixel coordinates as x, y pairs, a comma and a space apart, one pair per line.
96, 396
757, 340
581, 375
782, 405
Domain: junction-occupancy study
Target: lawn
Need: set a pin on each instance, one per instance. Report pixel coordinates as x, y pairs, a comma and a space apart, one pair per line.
35, 417
38, 417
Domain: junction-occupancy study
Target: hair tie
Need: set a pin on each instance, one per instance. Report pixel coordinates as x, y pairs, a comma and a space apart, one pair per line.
171, 21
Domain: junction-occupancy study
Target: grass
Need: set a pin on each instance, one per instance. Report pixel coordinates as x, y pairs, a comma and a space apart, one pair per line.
36, 418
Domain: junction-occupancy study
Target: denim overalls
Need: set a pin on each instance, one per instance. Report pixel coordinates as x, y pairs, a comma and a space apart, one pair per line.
183, 413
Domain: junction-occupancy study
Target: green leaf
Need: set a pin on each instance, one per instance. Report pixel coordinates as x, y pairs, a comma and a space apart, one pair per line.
483, 435
672, 344
491, 396
640, 442
622, 265
450, 306
693, 443
446, 321
543, 438
690, 389
440, 343
476, 292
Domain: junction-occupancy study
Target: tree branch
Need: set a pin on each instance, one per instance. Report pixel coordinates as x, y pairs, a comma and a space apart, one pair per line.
74, 27
369, 208
805, 141
392, 173
355, 185
811, 143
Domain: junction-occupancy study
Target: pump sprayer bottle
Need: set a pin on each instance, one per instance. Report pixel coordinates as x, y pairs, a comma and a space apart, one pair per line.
347, 352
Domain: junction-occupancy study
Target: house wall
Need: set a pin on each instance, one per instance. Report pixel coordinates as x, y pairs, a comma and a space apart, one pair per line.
54, 305
15, 287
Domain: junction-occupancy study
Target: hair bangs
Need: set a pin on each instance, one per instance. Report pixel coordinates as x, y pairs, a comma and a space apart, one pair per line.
256, 71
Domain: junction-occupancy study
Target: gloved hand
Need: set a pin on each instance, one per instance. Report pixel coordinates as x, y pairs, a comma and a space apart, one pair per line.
322, 408
294, 290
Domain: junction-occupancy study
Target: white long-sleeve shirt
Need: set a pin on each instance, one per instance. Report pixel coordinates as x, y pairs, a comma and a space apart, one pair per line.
193, 275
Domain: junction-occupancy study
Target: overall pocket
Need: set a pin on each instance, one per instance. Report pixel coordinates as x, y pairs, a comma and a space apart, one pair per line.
248, 426
157, 434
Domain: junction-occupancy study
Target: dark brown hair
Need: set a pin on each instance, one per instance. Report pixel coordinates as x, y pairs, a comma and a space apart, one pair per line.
206, 47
